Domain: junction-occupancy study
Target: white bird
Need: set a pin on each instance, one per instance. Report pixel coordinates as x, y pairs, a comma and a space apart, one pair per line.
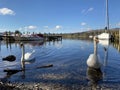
94, 59
27, 57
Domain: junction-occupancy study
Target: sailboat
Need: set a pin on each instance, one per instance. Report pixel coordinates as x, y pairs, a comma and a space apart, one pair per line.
106, 35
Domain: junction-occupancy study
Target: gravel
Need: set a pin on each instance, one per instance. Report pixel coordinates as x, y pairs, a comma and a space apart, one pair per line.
55, 86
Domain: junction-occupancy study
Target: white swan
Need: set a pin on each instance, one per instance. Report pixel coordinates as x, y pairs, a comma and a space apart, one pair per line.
94, 59
27, 57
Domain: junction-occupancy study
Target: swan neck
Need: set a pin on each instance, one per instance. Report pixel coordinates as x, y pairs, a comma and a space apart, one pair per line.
95, 47
23, 51
23, 65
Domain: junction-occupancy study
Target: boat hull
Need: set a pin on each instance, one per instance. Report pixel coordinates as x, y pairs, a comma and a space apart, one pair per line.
28, 38
104, 36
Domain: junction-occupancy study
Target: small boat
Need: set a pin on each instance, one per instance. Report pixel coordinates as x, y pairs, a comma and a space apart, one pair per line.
90, 36
32, 37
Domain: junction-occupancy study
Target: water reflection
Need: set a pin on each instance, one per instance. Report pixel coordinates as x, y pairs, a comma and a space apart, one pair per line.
67, 56
27, 43
8, 44
33, 43
105, 46
116, 45
57, 44
0, 45
94, 76
0, 50
23, 69
10, 72
105, 56
105, 61
104, 43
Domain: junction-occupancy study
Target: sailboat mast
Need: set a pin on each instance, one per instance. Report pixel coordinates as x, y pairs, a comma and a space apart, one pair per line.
107, 16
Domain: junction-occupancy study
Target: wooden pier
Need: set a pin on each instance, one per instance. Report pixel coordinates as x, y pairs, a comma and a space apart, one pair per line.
53, 38
47, 38
8, 38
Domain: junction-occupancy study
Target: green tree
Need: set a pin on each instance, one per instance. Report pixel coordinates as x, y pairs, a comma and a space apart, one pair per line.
17, 32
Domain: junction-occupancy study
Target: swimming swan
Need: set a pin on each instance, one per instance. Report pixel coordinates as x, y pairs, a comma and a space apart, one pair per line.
27, 57
94, 59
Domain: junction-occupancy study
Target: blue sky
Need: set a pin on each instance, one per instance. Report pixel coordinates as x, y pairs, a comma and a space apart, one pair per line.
57, 16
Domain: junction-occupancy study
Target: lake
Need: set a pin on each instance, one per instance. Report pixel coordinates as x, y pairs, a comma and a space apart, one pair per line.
68, 58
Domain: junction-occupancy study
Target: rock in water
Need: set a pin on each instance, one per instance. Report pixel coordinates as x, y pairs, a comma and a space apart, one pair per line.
9, 58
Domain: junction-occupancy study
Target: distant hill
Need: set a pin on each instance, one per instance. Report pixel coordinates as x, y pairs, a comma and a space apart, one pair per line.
86, 34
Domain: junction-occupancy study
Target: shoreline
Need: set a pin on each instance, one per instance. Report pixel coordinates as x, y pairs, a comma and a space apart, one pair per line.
55, 86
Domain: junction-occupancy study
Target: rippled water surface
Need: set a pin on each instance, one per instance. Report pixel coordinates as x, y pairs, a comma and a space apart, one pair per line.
68, 58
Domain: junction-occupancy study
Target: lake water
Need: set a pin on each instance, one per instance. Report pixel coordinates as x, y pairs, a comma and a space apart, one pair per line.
68, 58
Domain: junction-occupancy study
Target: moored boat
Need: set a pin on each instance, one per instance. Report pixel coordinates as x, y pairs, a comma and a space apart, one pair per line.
32, 37
104, 36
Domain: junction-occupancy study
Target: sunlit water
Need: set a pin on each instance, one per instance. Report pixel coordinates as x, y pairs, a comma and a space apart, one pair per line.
68, 58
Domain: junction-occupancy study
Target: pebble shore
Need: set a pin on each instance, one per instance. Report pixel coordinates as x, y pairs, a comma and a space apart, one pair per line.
52, 86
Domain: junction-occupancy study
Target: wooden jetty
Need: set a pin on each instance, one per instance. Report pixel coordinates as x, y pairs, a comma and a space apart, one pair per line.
53, 37
8, 38
47, 38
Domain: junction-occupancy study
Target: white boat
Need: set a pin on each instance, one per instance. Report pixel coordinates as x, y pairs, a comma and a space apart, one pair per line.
32, 37
90, 36
106, 35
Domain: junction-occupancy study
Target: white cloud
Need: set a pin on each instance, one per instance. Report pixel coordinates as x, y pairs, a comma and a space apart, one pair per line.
83, 24
90, 9
57, 27
6, 11
52, 29
30, 27
85, 11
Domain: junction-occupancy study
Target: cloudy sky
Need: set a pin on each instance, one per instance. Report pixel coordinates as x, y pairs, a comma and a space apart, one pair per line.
57, 16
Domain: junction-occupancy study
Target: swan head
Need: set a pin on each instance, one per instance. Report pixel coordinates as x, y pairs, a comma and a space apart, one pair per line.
21, 44
96, 39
